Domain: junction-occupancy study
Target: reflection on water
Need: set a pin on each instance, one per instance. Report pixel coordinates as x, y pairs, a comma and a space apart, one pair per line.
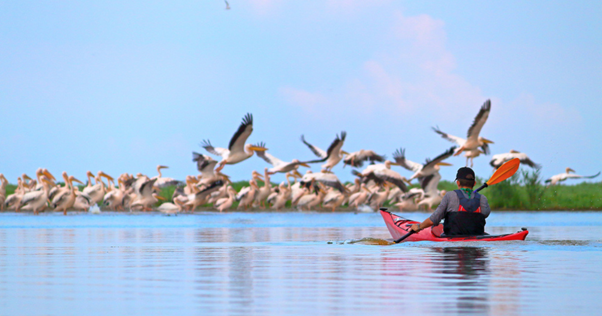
245, 264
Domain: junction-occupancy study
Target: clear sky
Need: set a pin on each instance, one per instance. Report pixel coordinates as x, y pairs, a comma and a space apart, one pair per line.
122, 86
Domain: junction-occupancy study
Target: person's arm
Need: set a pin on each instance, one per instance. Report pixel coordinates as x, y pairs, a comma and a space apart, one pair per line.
436, 217
485, 209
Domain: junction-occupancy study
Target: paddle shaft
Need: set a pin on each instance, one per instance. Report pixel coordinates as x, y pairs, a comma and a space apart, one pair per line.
403, 237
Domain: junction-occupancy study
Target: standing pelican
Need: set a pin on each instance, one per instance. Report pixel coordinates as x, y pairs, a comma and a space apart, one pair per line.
567, 175
473, 140
499, 159
262, 193
36, 200
279, 165
163, 182
65, 199
2, 191
356, 159
97, 192
146, 198
237, 150
332, 156
225, 203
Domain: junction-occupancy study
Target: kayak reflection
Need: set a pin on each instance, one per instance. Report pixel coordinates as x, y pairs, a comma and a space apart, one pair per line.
467, 269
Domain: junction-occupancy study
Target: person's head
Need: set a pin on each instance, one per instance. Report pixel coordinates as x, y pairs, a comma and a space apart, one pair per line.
465, 178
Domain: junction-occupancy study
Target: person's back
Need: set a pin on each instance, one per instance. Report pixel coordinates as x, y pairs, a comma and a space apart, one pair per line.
463, 209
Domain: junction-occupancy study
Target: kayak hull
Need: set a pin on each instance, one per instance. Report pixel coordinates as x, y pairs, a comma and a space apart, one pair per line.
399, 226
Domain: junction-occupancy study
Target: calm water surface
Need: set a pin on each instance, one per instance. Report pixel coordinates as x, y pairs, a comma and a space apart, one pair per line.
294, 264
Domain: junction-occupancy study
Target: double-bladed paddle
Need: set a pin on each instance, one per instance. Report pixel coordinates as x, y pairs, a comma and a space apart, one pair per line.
504, 172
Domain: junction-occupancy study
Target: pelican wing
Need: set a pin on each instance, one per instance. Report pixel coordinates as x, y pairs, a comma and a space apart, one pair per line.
210, 189
203, 163
391, 176
400, 158
454, 139
237, 143
269, 158
479, 121
317, 151
31, 196
576, 176
223, 152
328, 179
440, 158
146, 189
356, 159
527, 161
336, 145
429, 183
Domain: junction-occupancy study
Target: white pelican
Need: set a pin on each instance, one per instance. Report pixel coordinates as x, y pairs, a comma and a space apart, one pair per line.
170, 208
49, 177
14, 200
65, 199
432, 196
333, 199
356, 159
237, 150
383, 172
473, 140
227, 5
332, 156
2, 191
284, 194
262, 193
96, 192
378, 198
499, 159
279, 165
430, 166
36, 200
360, 197
163, 182
408, 201
567, 175
225, 203
246, 196
199, 198
206, 165
328, 179
146, 198
311, 199
114, 198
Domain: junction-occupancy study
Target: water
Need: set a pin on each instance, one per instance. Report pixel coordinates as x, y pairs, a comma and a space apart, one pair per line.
294, 264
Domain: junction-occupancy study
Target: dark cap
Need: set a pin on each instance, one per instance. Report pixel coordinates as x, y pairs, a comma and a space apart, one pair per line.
465, 173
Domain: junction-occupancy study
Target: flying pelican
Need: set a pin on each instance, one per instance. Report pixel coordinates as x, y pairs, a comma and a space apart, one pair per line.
227, 5
237, 150
499, 159
408, 201
473, 140
383, 172
429, 167
356, 159
279, 165
163, 182
567, 175
332, 156
328, 179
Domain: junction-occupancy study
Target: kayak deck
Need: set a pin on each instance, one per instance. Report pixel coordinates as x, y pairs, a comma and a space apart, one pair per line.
399, 226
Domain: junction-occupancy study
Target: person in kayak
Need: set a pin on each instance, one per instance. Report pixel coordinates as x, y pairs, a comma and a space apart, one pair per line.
463, 209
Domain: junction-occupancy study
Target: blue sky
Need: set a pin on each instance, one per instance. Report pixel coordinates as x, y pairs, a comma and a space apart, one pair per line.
123, 87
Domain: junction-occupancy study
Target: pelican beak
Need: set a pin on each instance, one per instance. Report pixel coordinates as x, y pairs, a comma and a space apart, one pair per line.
255, 148
444, 164
75, 180
26, 177
569, 169
44, 179
49, 175
366, 189
296, 174
407, 181
395, 164
108, 177
487, 141
163, 167
304, 165
160, 198
344, 152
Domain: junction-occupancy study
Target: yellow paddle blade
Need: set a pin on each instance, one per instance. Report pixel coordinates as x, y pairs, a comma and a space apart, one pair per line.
504, 172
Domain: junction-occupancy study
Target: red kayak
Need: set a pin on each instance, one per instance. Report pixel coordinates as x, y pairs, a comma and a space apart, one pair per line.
399, 226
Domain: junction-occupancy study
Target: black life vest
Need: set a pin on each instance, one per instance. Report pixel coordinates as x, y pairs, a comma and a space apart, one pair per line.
468, 220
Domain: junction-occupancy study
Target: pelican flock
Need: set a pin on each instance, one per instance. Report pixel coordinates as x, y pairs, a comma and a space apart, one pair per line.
381, 181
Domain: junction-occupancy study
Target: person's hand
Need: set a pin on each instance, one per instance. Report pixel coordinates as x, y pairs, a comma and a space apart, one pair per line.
415, 228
